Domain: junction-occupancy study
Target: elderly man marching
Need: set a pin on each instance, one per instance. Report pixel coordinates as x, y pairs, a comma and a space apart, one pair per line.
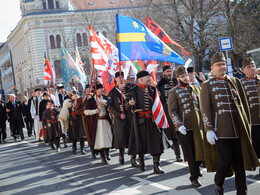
145, 137
122, 123
183, 105
227, 124
250, 85
164, 85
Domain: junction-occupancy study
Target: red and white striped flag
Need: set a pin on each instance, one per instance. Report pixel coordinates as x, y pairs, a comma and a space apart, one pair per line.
99, 53
48, 71
158, 112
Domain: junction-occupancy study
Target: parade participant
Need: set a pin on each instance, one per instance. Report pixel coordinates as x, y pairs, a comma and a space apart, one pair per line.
62, 95
103, 136
28, 119
30, 130
89, 119
15, 111
163, 86
75, 131
42, 107
145, 137
3, 117
51, 125
250, 85
121, 122
35, 108
183, 105
226, 120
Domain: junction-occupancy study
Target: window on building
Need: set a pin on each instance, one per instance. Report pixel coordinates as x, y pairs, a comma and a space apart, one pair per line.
79, 40
52, 42
85, 39
58, 41
50, 4
104, 33
57, 67
44, 4
57, 4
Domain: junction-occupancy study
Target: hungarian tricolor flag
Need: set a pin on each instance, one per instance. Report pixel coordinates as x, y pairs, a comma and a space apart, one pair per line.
48, 71
159, 32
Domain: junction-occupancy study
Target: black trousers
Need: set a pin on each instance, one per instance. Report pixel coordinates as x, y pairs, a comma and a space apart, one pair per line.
188, 147
3, 132
231, 154
29, 127
256, 139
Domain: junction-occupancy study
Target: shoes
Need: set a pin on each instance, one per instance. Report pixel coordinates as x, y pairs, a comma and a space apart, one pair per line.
134, 163
52, 147
57, 149
218, 190
157, 169
39, 140
179, 159
4, 141
196, 183
200, 174
121, 160
82, 152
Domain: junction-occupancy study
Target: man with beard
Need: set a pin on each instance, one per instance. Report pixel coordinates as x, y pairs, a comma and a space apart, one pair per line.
250, 85
122, 121
226, 118
145, 137
15, 111
164, 85
185, 113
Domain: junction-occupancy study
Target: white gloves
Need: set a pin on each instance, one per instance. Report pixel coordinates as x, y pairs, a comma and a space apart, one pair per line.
211, 137
182, 129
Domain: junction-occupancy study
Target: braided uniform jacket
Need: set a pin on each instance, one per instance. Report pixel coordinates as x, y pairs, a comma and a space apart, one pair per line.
181, 100
251, 89
218, 97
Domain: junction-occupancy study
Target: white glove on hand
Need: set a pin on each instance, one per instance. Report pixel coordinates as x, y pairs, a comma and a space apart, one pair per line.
211, 137
182, 129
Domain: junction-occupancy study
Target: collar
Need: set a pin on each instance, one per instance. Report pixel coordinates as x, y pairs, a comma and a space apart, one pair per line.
184, 86
250, 79
142, 86
221, 77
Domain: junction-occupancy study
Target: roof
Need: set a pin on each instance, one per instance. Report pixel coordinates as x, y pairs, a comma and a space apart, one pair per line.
110, 4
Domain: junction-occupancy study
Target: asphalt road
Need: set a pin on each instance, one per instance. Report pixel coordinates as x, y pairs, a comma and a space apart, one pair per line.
29, 167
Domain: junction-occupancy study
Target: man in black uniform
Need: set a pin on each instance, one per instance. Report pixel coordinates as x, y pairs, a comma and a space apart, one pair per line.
145, 137
15, 111
122, 123
3, 118
164, 85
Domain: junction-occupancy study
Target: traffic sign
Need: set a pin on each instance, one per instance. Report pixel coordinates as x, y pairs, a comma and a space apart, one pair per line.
225, 44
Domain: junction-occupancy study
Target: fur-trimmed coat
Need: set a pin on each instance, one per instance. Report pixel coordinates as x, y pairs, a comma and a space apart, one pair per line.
64, 115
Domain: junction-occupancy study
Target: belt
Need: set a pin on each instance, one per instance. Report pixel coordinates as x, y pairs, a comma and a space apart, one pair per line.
52, 121
73, 113
102, 117
146, 114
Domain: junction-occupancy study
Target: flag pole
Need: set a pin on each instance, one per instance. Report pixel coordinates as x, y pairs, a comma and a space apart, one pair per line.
121, 90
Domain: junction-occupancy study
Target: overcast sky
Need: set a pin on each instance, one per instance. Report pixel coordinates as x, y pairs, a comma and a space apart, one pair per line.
9, 17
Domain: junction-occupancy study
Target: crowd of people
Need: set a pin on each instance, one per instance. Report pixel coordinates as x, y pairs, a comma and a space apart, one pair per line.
215, 122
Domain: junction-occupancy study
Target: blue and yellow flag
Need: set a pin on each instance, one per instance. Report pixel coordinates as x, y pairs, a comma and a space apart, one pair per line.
70, 70
137, 42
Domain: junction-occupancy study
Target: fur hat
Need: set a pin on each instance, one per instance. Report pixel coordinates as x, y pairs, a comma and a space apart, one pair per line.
118, 74
142, 73
166, 67
218, 57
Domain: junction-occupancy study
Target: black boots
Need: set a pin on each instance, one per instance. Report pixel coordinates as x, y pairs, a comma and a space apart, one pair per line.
106, 152
177, 151
102, 156
93, 155
51, 144
141, 162
121, 156
74, 147
156, 165
133, 161
64, 141
82, 144
219, 190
